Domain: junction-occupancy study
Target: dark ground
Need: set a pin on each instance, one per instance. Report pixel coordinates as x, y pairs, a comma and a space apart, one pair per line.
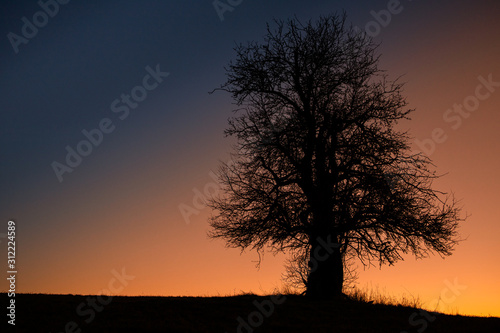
69, 313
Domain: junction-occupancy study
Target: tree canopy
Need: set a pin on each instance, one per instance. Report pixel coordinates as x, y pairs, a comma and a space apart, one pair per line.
318, 159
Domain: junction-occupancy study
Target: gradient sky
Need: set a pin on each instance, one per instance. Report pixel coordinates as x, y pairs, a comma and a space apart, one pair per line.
119, 209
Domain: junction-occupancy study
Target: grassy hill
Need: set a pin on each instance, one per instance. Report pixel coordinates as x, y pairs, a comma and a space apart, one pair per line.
291, 313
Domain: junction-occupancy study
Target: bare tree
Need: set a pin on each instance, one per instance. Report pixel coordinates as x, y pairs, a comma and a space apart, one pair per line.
319, 166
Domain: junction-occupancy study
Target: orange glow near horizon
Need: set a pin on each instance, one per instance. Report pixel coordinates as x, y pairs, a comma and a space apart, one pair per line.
120, 209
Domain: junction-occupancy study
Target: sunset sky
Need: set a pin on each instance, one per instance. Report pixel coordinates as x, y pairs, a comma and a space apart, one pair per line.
120, 208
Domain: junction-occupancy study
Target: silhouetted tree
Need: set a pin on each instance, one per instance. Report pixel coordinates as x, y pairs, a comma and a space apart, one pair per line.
319, 167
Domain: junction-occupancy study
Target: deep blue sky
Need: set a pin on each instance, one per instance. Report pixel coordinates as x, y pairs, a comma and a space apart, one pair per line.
130, 187
64, 79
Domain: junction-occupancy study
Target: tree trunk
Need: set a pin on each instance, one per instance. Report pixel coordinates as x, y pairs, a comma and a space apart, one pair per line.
326, 277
